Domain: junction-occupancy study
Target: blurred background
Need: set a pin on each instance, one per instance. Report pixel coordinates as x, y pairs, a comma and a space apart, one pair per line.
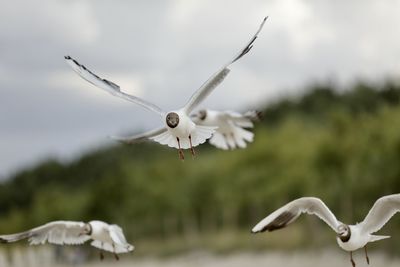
325, 74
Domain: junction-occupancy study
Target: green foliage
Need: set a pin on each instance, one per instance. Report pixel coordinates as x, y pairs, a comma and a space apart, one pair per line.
343, 147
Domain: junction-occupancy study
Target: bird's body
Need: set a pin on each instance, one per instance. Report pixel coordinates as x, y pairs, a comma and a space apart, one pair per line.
104, 236
358, 239
184, 128
349, 237
178, 130
232, 127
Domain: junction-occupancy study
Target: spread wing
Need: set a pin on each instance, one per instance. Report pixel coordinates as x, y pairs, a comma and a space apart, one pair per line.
382, 211
291, 211
58, 232
139, 137
218, 77
109, 86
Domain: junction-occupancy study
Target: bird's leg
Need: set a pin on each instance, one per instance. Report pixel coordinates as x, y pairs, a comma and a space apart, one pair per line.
191, 146
351, 259
101, 256
180, 152
115, 254
366, 254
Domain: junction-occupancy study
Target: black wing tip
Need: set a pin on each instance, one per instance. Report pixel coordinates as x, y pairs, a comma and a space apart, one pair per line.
3, 241
267, 228
258, 115
67, 57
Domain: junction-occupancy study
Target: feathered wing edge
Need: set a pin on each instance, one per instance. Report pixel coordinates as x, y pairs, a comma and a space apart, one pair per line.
109, 86
237, 139
217, 78
381, 212
58, 232
291, 211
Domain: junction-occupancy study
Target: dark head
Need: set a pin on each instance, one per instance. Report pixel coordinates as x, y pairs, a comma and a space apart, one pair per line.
202, 114
87, 229
344, 233
172, 119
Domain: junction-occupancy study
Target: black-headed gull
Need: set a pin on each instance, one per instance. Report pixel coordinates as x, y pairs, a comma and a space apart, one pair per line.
349, 237
179, 131
108, 237
231, 132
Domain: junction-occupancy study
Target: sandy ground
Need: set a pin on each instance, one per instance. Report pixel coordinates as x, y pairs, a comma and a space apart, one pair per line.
296, 259
327, 258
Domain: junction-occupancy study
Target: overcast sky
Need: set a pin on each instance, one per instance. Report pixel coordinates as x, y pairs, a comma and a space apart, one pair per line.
163, 51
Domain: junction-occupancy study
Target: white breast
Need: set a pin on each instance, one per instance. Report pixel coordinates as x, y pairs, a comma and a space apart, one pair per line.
356, 241
185, 127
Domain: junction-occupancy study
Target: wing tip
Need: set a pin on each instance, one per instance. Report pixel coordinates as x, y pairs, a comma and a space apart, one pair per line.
68, 57
119, 139
254, 231
3, 240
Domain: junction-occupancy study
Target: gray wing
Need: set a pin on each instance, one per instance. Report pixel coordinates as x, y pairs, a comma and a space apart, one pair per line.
291, 211
243, 120
219, 76
58, 232
382, 211
139, 137
109, 86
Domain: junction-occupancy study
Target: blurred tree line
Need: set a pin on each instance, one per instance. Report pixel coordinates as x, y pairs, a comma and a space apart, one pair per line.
340, 145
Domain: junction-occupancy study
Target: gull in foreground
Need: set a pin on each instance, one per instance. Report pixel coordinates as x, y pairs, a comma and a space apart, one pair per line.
179, 131
349, 237
231, 132
108, 237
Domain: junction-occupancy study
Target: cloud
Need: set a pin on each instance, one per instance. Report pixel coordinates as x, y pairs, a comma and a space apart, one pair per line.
163, 51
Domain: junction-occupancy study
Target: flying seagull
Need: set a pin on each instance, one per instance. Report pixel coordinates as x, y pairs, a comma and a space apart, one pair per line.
349, 237
108, 237
179, 131
231, 132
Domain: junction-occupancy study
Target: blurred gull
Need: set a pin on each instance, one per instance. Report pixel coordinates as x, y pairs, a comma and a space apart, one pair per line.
231, 132
349, 237
105, 236
179, 131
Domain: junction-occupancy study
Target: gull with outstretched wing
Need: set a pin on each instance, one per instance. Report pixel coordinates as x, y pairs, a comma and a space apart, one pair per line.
108, 237
233, 128
178, 130
349, 237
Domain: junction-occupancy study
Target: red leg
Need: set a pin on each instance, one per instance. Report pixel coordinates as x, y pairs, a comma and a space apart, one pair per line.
366, 254
180, 152
191, 146
351, 259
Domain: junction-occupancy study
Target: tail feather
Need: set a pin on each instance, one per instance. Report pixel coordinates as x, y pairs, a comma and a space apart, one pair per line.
199, 136
375, 238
